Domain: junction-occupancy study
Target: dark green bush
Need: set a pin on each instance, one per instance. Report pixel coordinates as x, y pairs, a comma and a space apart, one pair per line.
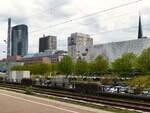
1, 79
88, 88
28, 90
27, 82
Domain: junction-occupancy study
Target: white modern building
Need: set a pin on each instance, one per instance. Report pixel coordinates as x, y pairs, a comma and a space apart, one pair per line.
77, 41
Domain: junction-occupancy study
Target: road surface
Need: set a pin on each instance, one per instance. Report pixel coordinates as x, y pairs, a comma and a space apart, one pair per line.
12, 102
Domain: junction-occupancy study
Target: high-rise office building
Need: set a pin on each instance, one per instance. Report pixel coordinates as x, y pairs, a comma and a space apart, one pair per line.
19, 40
77, 41
47, 43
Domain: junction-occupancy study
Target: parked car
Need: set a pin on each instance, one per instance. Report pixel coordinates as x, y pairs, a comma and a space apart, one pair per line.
146, 93
113, 90
123, 90
106, 88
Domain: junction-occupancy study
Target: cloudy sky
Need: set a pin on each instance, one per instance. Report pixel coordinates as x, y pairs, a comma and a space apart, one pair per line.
63, 17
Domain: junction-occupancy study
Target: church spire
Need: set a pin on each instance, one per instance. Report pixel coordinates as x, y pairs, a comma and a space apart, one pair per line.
140, 32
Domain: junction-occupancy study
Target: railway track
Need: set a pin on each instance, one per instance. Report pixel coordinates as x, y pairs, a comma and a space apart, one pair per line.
143, 106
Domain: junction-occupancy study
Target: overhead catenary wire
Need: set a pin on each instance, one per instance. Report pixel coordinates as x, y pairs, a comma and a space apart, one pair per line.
120, 29
86, 16
115, 17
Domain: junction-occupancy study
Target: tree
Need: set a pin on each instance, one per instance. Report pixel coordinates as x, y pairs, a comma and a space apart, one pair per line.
54, 69
36, 69
144, 61
99, 65
40, 69
140, 83
65, 66
81, 67
124, 65
17, 68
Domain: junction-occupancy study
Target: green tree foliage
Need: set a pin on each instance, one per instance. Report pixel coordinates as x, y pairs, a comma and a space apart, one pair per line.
37, 69
144, 61
53, 69
110, 80
41, 69
124, 65
80, 67
14, 68
99, 65
65, 66
140, 83
91, 67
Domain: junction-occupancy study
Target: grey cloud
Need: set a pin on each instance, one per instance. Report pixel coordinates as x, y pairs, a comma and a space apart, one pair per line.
16, 19
62, 44
54, 8
145, 10
19, 20
93, 25
118, 36
147, 28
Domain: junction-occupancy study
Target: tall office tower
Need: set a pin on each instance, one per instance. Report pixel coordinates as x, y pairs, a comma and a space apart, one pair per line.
140, 31
47, 43
77, 41
19, 40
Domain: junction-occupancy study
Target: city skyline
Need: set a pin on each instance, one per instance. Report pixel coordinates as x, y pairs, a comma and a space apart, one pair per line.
59, 12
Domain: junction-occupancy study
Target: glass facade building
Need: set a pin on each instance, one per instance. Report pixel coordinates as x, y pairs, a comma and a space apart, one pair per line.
19, 40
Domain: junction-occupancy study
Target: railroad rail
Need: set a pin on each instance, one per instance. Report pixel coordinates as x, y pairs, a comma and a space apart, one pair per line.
143, 106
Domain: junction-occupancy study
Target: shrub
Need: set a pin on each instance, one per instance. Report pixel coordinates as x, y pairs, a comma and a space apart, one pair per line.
87, 87
1, 79
26, 82
28, 90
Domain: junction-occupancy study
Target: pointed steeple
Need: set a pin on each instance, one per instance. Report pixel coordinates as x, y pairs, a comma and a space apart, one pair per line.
140, 32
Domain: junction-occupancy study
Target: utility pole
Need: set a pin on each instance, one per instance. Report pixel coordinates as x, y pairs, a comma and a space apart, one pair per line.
8, 45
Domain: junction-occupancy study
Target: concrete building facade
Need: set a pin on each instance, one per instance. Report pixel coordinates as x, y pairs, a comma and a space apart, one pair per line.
115, 50
47, 43
77, 41
19, 40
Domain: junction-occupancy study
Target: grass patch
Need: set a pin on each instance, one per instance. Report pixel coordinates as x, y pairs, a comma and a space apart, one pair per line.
29, 90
